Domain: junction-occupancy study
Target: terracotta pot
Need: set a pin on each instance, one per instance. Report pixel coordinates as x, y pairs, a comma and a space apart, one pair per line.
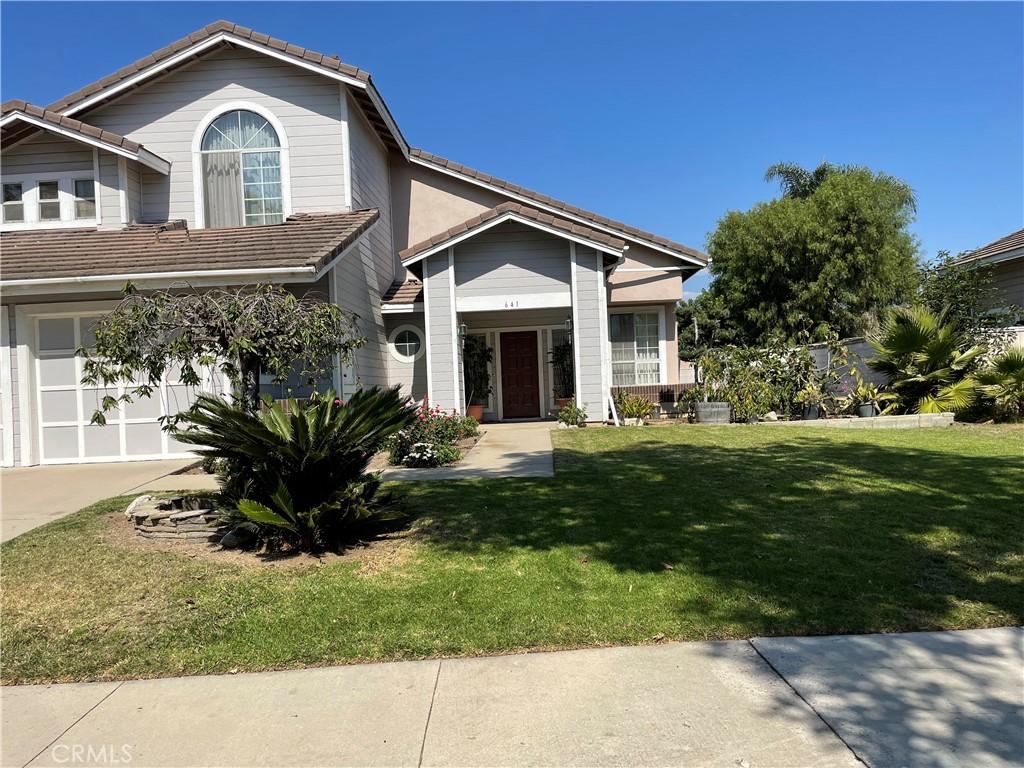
475, 411
561, 402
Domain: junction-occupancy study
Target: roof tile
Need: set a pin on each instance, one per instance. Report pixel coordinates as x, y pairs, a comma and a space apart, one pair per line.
302, 242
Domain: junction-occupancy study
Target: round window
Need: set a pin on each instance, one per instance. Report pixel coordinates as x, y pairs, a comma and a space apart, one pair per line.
406, 343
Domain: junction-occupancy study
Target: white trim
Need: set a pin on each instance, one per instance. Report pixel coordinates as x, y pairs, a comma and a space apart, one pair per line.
332, 297
65, 181
346, 148
510, 216
401, 309
304, 273
651, 269
457, 385
122, 188
577, 391
221, 37
426, 334
199, 211
551, 300
606, 356
646, 309
345, 252
6, 395
556, 211
143, 156
97, 189
420, 333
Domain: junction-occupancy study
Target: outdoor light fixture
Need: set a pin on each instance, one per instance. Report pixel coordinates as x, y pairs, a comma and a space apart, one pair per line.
463, 331
568, 325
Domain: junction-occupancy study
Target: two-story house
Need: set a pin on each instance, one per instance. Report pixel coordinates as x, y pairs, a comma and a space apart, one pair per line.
230, 157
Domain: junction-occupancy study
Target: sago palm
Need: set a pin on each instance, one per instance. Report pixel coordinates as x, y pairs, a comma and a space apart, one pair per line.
927, 360
1003, 381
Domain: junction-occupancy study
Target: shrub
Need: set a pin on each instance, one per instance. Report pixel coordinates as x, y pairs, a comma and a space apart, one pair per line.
634, 406
572, 414
928, 361
299, 475
1003, 384
435, 428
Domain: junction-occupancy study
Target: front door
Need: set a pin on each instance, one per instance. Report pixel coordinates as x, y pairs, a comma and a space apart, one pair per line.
520, 385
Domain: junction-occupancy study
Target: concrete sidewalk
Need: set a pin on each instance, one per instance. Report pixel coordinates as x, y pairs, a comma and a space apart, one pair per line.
950, 698
505, 450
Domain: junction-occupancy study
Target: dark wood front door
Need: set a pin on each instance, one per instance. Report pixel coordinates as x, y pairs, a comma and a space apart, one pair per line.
520, 388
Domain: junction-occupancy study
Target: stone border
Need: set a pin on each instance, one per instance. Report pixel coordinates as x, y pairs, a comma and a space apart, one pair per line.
908, 421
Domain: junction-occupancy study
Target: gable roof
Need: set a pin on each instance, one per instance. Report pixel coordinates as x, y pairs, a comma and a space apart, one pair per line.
301, 247
512, 211
458, 170
19, 119
997, 250
228, 33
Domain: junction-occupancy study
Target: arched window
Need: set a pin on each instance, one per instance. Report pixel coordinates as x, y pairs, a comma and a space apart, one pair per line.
241, 171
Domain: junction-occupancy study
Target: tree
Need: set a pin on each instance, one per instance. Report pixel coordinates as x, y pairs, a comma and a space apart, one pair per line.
966, 294
242, 333
703, 323
832, 256
797, 181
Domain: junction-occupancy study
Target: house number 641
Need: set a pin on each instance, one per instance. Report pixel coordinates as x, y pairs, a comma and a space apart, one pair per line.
511, 303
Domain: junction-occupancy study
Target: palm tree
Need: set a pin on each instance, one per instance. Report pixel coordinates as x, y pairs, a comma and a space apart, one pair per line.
928, 360
1003, 381
797, 181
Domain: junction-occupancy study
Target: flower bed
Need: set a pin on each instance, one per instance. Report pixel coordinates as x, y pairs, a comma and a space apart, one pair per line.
433, 440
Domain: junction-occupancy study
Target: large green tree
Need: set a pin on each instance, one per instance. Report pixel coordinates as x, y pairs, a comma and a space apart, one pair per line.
831, 253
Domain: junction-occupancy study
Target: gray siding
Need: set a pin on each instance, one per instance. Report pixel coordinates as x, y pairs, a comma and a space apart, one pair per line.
355, 278
440, 332
587, 329
1008, 281
371, 188
47, 153
511, 259
108, 191
165, 115
133, 192
411, 376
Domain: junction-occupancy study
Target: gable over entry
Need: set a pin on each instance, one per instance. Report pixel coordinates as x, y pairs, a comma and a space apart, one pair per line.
508, 273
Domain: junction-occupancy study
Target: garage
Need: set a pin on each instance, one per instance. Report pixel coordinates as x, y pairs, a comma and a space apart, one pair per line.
64, 407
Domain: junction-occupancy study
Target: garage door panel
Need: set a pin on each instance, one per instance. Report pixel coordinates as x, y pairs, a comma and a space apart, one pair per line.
144, 407
143, 439
57, 333
58, 371
101, 441
59, 405
60, 442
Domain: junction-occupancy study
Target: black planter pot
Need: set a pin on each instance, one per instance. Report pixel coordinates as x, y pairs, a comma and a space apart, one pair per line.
865, 410
812, 412
751, 420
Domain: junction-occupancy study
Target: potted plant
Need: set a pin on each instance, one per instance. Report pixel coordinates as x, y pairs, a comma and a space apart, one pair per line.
712, 408
811, 397
476, 360
634, 409
865, 398
561, 358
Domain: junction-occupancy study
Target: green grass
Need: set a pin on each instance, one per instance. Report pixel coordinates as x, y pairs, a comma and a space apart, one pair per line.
686, 532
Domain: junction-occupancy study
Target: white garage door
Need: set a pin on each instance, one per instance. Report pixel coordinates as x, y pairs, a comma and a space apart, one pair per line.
65, 406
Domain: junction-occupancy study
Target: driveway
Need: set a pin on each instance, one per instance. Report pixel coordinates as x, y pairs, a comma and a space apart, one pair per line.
917, 699
32, 496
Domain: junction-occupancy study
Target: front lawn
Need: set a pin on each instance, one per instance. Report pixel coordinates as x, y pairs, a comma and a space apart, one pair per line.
673, 532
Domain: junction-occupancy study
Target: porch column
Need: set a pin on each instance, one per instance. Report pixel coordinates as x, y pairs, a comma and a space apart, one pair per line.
587, 333
444, 355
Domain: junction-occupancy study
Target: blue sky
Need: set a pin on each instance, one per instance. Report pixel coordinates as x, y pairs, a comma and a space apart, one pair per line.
662, 115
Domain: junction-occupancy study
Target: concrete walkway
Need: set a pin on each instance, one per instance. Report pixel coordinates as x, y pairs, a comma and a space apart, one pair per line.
949, 698
32, 496
505, 450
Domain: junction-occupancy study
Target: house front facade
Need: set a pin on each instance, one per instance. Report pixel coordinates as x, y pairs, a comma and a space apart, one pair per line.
229, 158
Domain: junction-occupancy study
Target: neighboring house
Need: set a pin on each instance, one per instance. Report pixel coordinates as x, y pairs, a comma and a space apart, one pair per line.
1005, 258
230, 157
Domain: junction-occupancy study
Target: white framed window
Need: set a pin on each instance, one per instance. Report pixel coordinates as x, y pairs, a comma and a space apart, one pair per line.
13, 202
85, 198
45, 201
242, 171
406, 343
636, 348
48, 200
